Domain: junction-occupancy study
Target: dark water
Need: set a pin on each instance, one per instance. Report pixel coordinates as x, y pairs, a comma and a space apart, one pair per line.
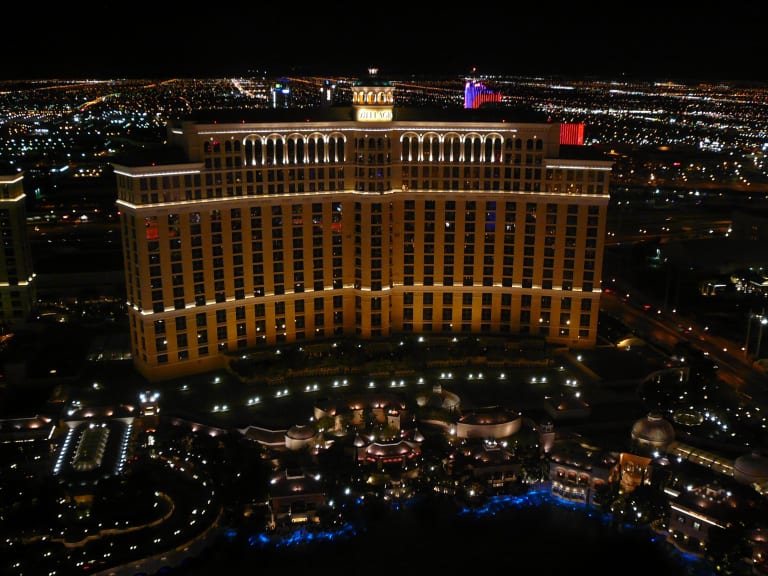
524, 535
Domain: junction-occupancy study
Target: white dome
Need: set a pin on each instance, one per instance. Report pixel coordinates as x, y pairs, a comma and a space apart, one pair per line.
653, 431
751, 468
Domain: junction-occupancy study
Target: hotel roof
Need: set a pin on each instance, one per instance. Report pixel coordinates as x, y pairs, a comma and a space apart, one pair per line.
169, 154
345, 113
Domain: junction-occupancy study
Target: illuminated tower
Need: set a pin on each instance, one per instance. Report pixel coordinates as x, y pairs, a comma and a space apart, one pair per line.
373, 99
17, 295
476, 94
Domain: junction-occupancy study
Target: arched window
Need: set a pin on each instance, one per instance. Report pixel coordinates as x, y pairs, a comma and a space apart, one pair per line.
410, 147
253, 151
431, 148
452, 148
291, 151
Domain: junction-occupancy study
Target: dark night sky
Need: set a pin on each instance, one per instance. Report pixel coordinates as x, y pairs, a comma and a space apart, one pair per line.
163, 38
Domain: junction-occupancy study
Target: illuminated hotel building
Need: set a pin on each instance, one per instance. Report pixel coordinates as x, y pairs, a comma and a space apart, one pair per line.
366, 221
17, 290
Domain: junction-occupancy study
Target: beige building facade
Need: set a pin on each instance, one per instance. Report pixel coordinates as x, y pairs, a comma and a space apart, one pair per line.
364, 221
17, 278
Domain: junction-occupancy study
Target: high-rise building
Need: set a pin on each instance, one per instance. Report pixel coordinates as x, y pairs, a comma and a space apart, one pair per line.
17, 286
369, 221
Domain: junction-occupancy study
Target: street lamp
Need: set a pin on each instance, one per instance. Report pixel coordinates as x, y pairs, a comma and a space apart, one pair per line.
763, 322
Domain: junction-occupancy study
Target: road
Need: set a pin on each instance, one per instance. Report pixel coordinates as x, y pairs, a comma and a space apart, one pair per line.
661, 328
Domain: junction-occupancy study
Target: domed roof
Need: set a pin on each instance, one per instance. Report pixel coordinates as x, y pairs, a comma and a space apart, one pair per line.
490, 416
751, 468
300, 432
389, 450
653, 429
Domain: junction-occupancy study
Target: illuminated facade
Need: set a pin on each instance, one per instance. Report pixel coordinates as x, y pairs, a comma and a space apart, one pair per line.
17, 289
366, 221
476, 94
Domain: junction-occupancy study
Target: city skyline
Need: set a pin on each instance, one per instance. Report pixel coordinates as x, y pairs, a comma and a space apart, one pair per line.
275, 223
658, 42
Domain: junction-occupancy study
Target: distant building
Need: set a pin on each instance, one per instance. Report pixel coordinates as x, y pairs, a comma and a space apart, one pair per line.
295, 498
381, 409
702, 516
96, 444
17, 279
365, 221
327, 93
489, 465
580, 473
281, 94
